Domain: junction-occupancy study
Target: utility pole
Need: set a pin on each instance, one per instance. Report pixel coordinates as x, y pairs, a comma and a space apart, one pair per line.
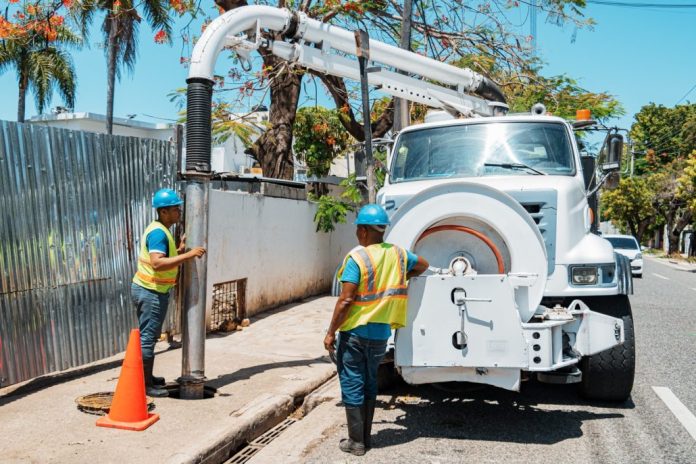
362, 40
533, 25
401, 106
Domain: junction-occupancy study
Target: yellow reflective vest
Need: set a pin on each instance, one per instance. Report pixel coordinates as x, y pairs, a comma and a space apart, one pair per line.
146, 276
382, 291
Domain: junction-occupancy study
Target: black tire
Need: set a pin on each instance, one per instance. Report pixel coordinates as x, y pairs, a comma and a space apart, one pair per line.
387, 375
608, 376
638, 276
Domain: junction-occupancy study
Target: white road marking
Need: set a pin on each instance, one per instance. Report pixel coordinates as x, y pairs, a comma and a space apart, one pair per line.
681, 412
660, 276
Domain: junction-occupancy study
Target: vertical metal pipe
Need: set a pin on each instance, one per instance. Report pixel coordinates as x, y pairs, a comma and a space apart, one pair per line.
197, 176
194, 282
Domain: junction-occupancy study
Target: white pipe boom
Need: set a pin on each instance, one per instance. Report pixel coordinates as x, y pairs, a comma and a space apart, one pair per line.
314, 45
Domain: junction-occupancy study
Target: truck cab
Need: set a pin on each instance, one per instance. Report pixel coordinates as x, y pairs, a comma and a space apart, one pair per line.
532, 158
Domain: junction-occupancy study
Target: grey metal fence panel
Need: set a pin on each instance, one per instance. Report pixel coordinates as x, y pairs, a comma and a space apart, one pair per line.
72, 207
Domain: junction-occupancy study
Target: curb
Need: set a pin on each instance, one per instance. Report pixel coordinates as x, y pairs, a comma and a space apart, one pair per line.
674, 264
251, 421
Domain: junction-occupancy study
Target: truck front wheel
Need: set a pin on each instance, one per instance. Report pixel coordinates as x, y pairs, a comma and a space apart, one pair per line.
608, 376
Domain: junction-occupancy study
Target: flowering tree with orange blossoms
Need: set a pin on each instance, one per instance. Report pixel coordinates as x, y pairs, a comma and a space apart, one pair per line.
34, 40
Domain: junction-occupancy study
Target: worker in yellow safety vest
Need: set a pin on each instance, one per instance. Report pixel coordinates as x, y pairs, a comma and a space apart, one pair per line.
374, 279
158, 265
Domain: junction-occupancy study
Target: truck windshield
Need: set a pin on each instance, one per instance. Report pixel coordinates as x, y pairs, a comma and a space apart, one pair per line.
486, 149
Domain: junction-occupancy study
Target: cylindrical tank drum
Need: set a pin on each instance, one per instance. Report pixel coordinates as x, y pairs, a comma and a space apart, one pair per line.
486, 226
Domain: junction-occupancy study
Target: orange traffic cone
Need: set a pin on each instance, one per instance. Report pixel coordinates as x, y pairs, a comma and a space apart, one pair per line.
129, 407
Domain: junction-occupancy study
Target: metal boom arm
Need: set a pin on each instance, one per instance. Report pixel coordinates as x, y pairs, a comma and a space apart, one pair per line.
316, 45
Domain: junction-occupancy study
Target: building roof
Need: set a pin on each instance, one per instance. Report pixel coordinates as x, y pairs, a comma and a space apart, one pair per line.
62, 117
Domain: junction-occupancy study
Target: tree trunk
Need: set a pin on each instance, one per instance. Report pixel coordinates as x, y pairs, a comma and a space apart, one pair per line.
642, 228
111, 73
274, 148
22, 99
675, 232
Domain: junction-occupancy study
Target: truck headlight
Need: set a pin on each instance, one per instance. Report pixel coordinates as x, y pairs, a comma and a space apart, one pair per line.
584, 275
638, 256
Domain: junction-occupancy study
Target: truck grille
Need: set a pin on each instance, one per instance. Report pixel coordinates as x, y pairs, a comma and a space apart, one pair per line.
541, 206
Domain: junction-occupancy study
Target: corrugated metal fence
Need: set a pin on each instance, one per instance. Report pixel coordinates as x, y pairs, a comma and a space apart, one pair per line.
72, 208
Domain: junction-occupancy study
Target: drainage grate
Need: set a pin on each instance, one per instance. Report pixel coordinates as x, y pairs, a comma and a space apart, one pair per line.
256, 445
229, 305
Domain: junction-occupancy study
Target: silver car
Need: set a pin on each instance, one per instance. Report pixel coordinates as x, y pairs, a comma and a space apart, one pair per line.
628, 246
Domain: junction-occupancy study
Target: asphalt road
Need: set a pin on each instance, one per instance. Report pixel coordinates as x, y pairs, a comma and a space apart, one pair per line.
549, 423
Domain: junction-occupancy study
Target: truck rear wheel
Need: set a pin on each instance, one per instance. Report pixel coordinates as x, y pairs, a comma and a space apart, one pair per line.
608, 376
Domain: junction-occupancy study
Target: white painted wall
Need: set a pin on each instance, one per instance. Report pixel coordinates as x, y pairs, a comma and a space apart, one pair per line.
272, 242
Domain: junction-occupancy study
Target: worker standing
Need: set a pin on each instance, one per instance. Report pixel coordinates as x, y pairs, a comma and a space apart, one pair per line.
158, 265
372, 302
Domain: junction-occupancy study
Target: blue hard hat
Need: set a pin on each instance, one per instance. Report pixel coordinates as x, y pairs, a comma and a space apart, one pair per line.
166, 197
372, 215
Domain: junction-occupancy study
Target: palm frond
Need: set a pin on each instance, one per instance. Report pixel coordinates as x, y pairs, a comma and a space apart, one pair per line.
156, 14
64, 76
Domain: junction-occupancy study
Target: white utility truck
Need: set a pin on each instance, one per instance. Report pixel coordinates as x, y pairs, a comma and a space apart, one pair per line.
497, 203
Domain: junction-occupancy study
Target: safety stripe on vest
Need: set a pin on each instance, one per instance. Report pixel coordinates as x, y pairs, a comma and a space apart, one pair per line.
403, 258
154, 280
364, 255
387, 293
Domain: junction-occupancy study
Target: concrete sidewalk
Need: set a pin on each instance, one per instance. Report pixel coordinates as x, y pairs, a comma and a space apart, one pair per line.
262, 374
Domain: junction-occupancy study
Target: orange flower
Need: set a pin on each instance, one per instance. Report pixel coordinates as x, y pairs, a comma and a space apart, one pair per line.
56, 20
160, 37
67, 3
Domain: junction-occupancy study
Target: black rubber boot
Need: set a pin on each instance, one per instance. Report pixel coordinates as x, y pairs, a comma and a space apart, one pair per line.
159, 381
368, 415
150, 388
354, 444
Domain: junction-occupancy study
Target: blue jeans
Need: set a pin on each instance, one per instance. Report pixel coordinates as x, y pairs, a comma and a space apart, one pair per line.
357, 363
152, 309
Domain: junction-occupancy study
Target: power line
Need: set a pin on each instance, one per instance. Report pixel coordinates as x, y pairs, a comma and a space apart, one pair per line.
685, 95
642, 5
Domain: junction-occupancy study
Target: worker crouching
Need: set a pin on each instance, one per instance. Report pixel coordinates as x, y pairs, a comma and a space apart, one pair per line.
374, 279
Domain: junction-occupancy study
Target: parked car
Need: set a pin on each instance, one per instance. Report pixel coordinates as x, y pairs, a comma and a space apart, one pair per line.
628, 246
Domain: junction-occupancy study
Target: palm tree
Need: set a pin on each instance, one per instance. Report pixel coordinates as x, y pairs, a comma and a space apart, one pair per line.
120, 29
42, 65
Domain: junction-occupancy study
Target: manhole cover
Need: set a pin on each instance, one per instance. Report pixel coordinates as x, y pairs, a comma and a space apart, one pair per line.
100, 403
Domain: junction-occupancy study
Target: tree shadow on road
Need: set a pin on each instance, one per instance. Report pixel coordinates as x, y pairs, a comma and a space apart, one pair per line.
491, 414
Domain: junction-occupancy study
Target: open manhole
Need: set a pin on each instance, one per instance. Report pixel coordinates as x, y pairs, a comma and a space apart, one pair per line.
100, 403
175, 392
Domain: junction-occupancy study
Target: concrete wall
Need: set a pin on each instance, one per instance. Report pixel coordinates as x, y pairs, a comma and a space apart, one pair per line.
272, 242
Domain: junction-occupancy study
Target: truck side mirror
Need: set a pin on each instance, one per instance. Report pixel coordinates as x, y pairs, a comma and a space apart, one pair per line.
613, 146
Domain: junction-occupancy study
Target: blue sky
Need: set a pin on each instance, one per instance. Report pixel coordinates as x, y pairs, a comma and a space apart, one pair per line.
639, 55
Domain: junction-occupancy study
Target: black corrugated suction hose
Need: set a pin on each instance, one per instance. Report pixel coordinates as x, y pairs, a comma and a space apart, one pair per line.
199, 98
490, 91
